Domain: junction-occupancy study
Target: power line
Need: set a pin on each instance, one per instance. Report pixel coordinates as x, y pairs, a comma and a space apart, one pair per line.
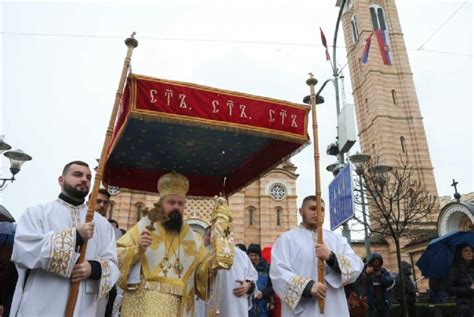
442, 25
177, 39
154, 38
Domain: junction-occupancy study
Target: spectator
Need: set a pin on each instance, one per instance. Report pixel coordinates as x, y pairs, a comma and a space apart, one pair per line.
460, 280
263, 296
438, 293
409, 286
242, 247
373, 283
275, 308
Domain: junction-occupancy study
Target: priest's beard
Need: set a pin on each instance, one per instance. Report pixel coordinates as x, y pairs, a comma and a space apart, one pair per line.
174, 222
73, 192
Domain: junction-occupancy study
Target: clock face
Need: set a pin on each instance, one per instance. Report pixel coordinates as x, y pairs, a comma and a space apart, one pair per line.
113, 190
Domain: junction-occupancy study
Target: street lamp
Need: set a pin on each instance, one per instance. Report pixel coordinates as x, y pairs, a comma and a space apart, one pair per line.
16, 157
335, 168
359, 161
380, 170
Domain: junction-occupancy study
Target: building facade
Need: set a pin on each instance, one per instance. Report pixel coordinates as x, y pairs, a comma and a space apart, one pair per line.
389, 119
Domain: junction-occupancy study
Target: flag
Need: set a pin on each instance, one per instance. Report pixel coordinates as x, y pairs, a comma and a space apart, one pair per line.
325, 44
364, 57
384, 45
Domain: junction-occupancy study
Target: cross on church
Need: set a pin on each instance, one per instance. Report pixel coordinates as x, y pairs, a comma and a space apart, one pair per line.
457, 196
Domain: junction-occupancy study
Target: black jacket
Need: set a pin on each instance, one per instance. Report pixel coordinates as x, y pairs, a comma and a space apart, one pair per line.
458, 284
410, 289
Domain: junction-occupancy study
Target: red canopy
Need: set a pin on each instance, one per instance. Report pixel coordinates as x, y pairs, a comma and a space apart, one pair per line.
221, 140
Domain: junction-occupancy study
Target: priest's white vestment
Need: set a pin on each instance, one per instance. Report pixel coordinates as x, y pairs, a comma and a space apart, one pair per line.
45, 254
229, 304
294, 265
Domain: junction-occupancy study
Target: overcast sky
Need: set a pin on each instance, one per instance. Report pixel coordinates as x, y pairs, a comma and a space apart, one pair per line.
61, 64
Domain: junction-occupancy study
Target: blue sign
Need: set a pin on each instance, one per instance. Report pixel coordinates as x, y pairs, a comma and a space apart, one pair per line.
341, 199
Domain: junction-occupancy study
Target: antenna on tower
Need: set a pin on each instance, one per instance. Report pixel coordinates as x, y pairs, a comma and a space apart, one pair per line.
343, 90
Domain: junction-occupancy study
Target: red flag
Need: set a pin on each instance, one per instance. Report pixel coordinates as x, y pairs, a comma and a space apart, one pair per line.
325, 44
384, 45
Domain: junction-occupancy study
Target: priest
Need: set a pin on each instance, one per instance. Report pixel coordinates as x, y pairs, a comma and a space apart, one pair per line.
162, 262
232, 291
46, 246
294, 268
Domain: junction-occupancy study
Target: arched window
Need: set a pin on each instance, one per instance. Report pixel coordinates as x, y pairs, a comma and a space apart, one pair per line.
111, 209
394, 96
378, 18
278, 214
250, 216
354, 30
402, 142
138, 210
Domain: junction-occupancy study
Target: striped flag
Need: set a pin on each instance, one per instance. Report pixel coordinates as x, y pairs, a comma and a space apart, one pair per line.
364, 57
325, 44
384, 45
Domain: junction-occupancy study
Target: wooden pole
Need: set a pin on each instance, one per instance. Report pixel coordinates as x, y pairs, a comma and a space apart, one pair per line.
131, 43
311, 82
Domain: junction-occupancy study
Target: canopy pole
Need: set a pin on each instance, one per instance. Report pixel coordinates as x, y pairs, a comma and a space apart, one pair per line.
311, 82
131, 43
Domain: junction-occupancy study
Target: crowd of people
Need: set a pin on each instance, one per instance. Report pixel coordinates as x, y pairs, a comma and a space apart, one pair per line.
163, 268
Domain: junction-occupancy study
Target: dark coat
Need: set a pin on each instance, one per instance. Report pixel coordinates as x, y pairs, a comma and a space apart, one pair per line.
380, 280
410, 289
458, 284
264, 284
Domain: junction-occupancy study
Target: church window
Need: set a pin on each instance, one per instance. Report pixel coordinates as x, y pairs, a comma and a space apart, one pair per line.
278, 191
138, 210
111, 209
250, 215
278, 216
394, 97
113, 190
378, 18
402, 142
354, 30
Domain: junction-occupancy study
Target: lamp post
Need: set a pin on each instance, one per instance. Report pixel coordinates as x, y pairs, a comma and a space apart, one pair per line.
16, 157
380, 170
359, 161
335, 80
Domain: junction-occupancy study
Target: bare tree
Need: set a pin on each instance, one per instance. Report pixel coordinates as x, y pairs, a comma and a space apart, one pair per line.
398, 203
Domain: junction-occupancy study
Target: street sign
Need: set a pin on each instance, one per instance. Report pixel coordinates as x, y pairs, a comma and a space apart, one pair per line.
341, 198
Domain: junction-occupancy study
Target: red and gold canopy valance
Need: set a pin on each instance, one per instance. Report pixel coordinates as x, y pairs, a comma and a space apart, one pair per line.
221, 140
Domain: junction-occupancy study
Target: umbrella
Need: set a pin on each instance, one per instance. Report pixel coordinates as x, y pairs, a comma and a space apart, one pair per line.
7, 234
5, 215
440, 253
220, 140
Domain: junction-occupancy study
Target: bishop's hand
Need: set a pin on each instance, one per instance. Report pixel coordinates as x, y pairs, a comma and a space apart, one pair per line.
144, 241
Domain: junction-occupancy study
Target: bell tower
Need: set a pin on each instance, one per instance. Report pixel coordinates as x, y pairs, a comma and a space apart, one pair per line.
389, 120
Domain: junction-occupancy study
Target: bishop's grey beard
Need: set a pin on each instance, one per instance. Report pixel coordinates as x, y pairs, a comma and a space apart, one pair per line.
174, 222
